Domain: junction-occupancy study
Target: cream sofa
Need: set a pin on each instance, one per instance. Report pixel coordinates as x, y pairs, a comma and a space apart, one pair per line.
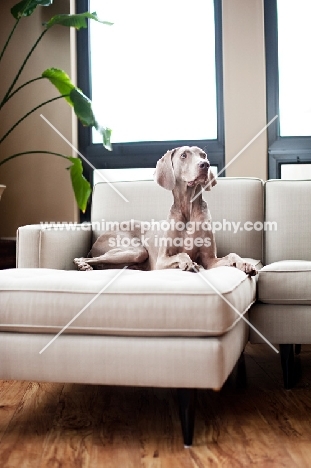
282, 312
160, 328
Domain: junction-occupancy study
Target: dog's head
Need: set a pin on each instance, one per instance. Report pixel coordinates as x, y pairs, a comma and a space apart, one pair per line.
185, 164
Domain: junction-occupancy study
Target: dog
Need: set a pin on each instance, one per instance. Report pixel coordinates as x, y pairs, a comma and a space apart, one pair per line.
188, 243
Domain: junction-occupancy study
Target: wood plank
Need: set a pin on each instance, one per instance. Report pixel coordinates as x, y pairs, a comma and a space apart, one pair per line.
116, 431
11, 393
69, 441
21, 444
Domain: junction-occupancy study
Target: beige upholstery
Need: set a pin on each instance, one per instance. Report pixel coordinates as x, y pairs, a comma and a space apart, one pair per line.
287, 203
116, 360
52, 246
281, 323
237, 204
154, 303
285, 282
283, 310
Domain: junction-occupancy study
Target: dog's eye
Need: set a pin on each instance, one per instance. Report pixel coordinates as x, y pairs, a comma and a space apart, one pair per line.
183, 155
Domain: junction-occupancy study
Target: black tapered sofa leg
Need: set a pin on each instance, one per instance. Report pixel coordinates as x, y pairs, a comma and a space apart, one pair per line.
288, 367
187, 402
297, 348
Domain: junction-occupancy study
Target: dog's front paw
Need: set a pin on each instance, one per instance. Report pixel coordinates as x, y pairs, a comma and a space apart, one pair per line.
186, 264
237, 262
82, 265
248, 268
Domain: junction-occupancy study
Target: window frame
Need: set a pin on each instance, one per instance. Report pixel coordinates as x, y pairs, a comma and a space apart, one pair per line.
143, 154
281, 150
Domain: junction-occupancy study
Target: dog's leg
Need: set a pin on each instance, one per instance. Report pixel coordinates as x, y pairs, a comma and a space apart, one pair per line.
232, 260
117, 256
180, 260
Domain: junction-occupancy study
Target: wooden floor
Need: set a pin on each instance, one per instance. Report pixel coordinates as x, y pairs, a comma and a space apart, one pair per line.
252, 421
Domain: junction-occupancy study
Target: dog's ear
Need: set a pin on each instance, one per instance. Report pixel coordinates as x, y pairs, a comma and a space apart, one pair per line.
211, 182
164, 174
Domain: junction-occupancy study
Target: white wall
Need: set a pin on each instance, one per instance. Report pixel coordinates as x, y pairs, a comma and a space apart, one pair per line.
244, 87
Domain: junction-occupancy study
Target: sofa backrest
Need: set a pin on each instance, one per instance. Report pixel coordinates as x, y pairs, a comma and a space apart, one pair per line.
236, 203
236, 206
288, 206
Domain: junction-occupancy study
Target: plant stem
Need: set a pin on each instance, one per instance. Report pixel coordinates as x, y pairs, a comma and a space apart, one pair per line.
22, 86
22, 68
13, 156
26, 115
14, 27
9, 38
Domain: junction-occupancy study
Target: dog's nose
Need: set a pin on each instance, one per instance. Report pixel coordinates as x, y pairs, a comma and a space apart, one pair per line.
204, 165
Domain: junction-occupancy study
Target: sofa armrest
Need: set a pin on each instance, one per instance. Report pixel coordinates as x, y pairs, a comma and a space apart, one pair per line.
52, 246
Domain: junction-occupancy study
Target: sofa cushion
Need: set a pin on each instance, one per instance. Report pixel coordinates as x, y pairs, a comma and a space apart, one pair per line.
154, 303
285, 282
287, 220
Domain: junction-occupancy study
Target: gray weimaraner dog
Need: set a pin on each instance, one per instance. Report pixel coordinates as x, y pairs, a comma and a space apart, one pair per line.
188, 243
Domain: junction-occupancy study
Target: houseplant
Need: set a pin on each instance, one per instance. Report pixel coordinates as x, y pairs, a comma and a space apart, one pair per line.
67, 90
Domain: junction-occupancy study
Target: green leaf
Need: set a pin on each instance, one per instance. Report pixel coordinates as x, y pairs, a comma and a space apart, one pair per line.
82, 107
27, 7
77, 21
81, 187
81, 104
61, 81
106, 135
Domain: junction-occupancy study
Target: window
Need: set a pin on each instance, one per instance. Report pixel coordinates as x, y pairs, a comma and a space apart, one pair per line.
288, 36
296, 171
160, 89
155, 78
294, 39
